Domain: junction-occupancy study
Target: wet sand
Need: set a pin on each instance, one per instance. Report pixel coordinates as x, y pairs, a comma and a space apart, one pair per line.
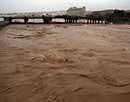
65, 63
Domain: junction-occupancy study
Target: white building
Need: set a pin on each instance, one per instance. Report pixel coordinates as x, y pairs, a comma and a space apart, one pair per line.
74, 11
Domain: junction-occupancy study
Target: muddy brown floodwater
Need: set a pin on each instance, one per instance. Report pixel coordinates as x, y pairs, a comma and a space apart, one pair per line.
65, 63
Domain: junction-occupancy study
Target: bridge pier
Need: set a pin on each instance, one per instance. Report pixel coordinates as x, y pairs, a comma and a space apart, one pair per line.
47, 20
26, 20
76, 20
70, 20
66, 20
9, 20
90, 21
5, 19
98, 21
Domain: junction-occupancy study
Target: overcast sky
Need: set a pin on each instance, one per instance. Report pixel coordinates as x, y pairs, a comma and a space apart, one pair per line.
54, 5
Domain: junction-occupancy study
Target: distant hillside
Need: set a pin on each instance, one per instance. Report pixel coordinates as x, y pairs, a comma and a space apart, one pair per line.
128, 11
105, 12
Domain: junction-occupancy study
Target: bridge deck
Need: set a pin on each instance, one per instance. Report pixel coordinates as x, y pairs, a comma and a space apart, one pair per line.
67, 19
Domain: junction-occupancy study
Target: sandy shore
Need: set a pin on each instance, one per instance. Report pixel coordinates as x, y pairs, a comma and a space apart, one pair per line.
65, 63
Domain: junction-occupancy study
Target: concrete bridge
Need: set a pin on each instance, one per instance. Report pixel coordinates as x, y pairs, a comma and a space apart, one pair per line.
49, 19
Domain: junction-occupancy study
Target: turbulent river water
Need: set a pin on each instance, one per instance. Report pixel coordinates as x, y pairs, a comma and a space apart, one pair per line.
65, 63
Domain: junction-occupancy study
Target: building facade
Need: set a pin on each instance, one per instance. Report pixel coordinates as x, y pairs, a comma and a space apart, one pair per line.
74, 11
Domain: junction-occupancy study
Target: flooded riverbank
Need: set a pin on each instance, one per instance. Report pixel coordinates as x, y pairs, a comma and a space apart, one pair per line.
65, 63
